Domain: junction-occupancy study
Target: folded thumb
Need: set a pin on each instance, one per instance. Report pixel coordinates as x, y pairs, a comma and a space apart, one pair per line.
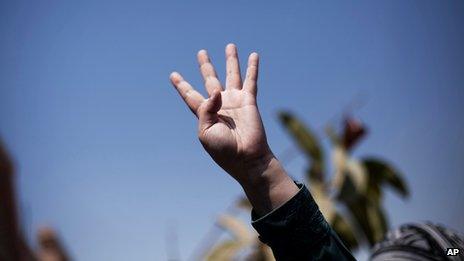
208, 114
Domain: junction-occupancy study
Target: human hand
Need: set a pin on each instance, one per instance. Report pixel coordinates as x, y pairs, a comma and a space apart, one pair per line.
230, 126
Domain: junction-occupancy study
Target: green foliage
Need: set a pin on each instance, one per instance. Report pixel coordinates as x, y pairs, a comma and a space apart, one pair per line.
381, 173
370, 219
224, 251
306, 141
358, 185
345, 231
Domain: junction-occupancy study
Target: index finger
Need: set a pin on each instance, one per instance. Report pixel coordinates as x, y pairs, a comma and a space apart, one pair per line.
192, 98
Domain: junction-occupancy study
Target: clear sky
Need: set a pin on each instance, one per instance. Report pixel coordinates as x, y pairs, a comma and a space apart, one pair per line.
107, 152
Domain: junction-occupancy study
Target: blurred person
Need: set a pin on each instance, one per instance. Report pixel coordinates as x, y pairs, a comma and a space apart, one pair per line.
419, 241
13, 245
50, 247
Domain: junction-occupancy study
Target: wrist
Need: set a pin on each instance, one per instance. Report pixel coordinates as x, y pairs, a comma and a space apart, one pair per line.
266, 184
255, 170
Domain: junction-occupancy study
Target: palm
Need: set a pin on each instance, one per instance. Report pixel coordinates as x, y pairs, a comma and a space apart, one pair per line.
238, 131
230, 127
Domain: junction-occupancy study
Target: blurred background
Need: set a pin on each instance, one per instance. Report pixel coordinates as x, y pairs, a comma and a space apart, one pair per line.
106, 152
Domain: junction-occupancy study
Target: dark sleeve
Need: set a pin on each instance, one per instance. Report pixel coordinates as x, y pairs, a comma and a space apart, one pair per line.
298, 231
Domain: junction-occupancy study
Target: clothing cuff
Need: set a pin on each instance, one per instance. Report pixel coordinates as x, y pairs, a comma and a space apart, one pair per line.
298, 222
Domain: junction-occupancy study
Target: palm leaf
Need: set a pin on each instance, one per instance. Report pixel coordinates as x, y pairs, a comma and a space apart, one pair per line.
367, 213
226, 250
244, 203
370, 218
330, 213
377, 221
345, 231
236, 227
242, 238
381, 172
346, 166
305, 139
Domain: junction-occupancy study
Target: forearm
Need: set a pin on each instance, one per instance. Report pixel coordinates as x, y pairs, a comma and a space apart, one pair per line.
266, 184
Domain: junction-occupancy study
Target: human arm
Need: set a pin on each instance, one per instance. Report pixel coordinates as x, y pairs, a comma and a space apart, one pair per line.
231, 131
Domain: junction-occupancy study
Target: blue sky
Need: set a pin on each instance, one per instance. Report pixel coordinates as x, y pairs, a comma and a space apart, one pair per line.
107, 152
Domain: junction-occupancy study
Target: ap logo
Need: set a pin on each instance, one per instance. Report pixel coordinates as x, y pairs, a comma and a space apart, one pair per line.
452, 251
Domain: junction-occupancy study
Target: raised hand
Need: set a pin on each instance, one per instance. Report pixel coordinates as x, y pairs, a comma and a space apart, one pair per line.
230, 127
